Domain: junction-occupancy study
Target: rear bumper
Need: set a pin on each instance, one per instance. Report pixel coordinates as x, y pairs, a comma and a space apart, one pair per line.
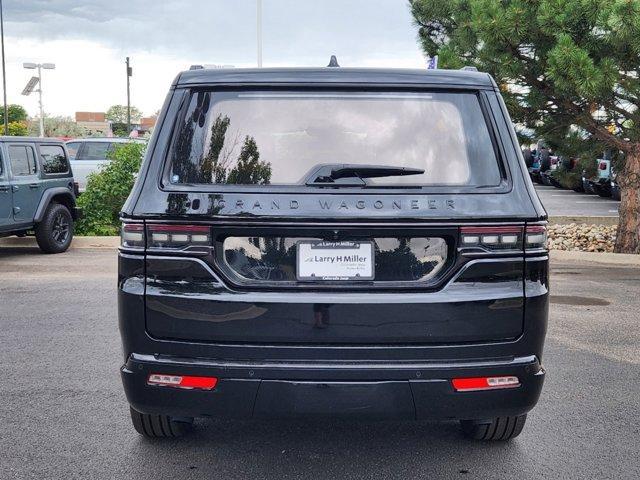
392, 390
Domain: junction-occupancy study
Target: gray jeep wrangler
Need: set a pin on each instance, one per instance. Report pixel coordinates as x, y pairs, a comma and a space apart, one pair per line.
37, 191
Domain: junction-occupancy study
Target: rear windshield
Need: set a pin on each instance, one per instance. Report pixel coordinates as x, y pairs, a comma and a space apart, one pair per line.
280, 138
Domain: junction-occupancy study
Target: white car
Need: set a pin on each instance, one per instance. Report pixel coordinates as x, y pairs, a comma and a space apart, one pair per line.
87, 155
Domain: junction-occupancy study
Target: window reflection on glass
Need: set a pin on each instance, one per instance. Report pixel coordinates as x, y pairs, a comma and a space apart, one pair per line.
95, 151
401, 259
23, 161
251, 138
72, 148
53, 159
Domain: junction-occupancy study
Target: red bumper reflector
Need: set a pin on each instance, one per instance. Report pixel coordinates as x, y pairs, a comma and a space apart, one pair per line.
484, 383
181, 381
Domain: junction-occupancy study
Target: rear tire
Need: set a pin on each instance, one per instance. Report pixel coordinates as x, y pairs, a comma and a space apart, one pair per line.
55, 232
501, 428
158, 426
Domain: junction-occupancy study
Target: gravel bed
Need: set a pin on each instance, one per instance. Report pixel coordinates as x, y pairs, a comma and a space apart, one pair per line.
582, 237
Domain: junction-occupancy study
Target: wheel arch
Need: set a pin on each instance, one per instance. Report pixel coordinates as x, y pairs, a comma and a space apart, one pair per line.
60, 195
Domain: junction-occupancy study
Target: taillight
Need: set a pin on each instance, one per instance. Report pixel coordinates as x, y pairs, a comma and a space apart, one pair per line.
536, 237
475, 384
503, 238
182, 381
132, 235
491, 238
177, 237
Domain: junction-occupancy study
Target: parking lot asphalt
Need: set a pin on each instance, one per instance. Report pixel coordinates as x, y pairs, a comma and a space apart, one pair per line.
567, 202
63, 413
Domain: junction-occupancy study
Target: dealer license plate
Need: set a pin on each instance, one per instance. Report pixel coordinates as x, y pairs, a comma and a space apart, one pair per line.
318, 260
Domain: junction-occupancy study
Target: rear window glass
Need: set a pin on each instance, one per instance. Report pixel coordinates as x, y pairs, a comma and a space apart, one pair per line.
72, 148
94, 151
280, 138
23, 161
53, 159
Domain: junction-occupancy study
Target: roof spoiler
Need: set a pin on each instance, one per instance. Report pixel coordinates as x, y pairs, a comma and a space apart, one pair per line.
469, 68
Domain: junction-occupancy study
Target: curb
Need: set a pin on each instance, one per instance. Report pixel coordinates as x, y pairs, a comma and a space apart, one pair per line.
591, 220
604, 258
78, 242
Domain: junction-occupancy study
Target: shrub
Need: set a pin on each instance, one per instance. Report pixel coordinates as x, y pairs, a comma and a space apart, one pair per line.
572, 179
18, 129
108, 189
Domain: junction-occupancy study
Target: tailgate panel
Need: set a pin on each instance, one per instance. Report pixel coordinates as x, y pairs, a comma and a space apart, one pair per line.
484, 302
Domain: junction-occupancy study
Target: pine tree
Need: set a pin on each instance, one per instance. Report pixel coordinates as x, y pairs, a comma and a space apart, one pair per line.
249, 170
562, 66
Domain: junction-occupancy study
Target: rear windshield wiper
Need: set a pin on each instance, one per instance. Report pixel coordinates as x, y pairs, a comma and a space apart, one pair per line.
346, 174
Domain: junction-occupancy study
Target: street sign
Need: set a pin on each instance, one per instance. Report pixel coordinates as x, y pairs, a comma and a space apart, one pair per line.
31, 85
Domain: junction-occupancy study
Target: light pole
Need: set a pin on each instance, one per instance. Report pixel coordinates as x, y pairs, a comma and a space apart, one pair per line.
129, 73
40, 66
4, 76
259, 31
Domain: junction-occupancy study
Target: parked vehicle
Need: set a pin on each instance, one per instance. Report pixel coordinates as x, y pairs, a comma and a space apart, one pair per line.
600, 184
614, 186
87, 155
546, 175
343, 242
36, 191
540, 164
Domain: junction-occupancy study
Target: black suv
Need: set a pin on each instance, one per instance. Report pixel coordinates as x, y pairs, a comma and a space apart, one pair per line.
37, 191
345, 242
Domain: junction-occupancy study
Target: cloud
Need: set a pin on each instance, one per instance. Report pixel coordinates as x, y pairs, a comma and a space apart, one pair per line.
89, 39
221, 31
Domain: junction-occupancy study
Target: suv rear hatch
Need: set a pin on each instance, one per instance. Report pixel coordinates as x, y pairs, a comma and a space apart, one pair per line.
262, 238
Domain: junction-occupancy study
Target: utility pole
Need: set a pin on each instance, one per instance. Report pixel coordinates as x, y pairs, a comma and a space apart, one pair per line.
129, 72
4, 76
259, 31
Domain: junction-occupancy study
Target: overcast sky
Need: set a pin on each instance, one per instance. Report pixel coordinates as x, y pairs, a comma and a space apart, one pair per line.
89, 40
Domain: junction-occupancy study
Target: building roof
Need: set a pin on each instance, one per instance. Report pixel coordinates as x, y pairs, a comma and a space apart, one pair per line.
334, 76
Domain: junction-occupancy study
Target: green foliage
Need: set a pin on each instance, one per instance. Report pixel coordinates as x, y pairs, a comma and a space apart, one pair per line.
108, 189
18, 129
572, 178
56, 127
560, 64
118, 114
17, 113
119, 129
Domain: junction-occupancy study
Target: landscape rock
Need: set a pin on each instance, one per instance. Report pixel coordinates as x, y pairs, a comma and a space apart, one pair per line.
582, 237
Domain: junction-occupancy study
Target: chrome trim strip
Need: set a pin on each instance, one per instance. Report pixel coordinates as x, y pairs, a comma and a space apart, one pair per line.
242, 222
331, 296
338, 365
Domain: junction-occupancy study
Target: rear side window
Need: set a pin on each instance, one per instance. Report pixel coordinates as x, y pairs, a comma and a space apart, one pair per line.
279, 138
72, 148
95, 151
23, 160
53, 159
